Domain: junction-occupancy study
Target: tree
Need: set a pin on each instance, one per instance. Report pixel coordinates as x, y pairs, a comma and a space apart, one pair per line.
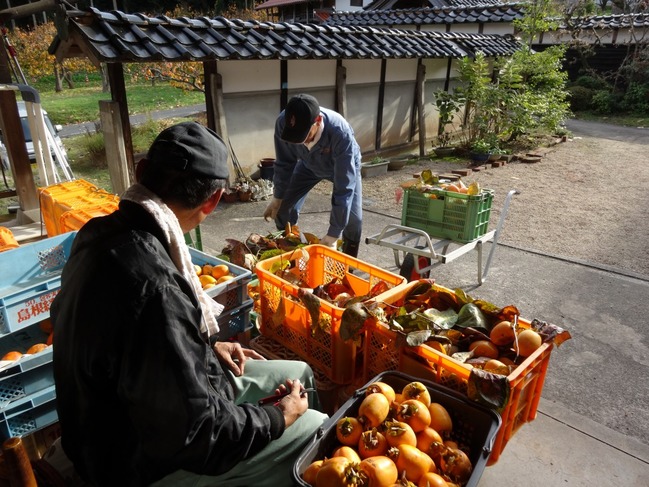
31, 52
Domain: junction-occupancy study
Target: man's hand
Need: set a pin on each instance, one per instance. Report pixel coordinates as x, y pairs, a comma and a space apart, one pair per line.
295, 404
271, 210
329, 241
234, 356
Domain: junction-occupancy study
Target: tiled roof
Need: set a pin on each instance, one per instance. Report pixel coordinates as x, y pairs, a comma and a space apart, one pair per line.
428, 16
119, 37
621, 21
396, 4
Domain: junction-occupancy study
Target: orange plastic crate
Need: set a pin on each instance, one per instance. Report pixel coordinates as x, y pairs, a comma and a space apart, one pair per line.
316, 265
73, 220
49, 195
385, 350
7, 239
74, 202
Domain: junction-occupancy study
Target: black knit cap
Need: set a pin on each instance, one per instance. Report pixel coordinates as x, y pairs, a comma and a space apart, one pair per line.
299, 116
193, 148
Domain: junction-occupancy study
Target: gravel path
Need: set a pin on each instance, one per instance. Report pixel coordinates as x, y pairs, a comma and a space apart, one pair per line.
587, 199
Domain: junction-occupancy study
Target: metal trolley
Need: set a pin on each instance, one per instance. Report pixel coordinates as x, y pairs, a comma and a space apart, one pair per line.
416, 252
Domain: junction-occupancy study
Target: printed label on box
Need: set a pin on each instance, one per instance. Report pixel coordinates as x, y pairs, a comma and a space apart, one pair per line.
36, 307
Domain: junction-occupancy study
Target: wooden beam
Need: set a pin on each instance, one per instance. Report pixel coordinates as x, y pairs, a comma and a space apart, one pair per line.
283, 82
214, 100
18, 158
421, 80
341, 88
379, 108
111, 126
118, 93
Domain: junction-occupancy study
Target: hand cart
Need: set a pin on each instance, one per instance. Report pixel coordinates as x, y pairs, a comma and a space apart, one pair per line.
425, 252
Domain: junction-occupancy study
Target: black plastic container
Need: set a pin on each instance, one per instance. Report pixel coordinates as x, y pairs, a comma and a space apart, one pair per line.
473, 425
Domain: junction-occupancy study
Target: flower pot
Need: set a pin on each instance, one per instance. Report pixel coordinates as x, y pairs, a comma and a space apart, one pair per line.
266, 172
245, 195
372, 169
267, 162
479, 157
444, 151
495, 156
230, 197
396, 164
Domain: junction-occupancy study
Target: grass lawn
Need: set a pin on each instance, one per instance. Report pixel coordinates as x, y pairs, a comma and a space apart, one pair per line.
82, 104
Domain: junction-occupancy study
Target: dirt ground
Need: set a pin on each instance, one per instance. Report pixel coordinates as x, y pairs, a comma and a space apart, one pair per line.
586, 199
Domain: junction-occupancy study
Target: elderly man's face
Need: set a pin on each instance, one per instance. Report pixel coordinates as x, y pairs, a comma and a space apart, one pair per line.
313, 131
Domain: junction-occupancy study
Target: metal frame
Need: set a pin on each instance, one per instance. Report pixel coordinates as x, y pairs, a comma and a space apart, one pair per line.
402, 239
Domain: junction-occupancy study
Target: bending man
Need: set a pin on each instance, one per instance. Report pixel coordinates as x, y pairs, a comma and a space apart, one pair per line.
314, 144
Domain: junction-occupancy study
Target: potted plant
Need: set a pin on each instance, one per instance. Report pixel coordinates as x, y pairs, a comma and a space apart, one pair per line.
480, 151
230, 195
447, 106
444, 147
374, 167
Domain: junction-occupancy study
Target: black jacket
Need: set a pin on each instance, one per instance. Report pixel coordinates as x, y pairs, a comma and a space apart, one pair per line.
140, 393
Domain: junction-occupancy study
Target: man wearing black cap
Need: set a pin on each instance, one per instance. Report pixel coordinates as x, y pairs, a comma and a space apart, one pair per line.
145, 395
311, 144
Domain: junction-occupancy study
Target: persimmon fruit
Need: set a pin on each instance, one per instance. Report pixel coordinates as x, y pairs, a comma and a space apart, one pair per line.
502, 334
527, 342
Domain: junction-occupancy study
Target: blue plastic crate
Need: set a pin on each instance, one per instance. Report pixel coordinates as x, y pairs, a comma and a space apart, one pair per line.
235, 321
232, 293
30, 279
30, 373
29, 414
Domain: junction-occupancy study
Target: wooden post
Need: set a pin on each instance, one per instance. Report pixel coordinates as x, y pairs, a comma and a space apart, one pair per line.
421, 80
341, 88
214, 100
118, 92
111, 125
18, 158
379, 108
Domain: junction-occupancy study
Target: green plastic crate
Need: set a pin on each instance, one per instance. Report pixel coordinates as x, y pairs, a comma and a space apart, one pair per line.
446, 214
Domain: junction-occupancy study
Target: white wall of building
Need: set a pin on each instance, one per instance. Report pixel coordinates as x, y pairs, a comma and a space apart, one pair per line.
252, 98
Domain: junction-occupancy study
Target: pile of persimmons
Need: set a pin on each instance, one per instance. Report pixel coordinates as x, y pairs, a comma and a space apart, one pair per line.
397, 438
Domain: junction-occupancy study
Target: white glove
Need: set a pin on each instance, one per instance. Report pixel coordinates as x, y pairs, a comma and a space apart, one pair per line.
271, 210
329, 241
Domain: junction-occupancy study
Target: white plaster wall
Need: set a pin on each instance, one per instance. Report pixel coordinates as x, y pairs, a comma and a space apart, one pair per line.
249, 76
466, 28
311, 73
345, 5
400, 70
360, 71
500, 28
434, 27
252, 105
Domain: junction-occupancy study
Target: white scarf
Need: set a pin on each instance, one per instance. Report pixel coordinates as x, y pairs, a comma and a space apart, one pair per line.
180, 256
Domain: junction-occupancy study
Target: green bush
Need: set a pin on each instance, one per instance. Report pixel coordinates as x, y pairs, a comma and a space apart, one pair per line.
581, 98
591, 82
605, 102
636, 98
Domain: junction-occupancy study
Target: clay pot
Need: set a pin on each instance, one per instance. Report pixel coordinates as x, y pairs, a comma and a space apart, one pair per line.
245, 195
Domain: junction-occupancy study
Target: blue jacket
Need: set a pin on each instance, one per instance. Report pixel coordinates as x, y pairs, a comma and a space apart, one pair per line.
336, 157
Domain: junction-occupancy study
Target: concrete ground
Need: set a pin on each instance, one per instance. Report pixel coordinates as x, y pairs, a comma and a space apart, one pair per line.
592, 426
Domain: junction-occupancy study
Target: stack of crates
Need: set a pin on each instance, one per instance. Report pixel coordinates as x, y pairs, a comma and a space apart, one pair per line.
67, 206
234, 321
30, 279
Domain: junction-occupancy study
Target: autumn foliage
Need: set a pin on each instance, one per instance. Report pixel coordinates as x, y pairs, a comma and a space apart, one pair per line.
32, 54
